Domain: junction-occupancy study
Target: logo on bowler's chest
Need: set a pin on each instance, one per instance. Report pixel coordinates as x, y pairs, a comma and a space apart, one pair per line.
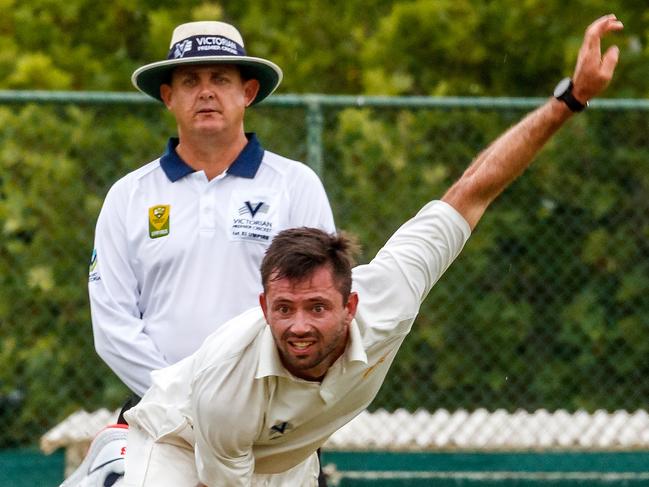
159, 221
252, 222
279, 429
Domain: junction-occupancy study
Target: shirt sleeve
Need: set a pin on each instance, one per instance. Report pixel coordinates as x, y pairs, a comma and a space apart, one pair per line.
393, 285
120, 339
227, 411
309, 202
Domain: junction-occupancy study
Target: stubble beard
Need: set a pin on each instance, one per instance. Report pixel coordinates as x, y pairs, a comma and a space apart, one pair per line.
309, 362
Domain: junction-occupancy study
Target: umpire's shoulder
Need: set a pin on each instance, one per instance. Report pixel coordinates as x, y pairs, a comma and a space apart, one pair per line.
287, 168
130, 181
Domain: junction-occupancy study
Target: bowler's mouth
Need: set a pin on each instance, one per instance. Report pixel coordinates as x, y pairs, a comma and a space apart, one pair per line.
300, 346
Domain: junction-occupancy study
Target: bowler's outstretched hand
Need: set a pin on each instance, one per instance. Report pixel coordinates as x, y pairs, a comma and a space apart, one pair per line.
593, 71
508, 156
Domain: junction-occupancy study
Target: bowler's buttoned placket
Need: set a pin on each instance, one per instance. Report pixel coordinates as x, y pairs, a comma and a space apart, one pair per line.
327, 387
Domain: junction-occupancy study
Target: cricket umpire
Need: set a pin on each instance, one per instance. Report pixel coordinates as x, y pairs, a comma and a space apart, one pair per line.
179, 241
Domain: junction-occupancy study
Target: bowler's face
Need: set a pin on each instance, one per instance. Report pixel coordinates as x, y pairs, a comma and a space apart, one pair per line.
309, 322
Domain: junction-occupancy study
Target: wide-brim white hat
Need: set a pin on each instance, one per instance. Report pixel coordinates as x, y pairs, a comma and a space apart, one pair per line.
207, 42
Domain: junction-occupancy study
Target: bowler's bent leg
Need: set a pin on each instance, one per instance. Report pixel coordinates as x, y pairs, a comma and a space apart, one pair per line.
304, 474
152, 464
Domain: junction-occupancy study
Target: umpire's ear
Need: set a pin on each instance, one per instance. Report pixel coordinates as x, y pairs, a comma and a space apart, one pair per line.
250, 90
262, 303
165, 94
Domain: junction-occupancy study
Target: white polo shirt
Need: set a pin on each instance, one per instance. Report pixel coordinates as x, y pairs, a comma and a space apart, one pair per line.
177, 255
243, 412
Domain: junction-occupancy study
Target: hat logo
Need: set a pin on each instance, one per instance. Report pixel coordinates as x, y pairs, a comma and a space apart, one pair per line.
182, 48
218, 43
205, 46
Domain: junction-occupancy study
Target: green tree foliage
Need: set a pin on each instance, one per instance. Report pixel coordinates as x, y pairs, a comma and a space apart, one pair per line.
467, 47
543, 306
546, 307
419, 47
55, 167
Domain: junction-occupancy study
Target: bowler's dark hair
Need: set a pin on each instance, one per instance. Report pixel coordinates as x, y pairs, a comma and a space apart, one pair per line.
296, 253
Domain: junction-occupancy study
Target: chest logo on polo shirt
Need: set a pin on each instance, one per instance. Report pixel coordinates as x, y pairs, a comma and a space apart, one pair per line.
253, 221
253, 208
159, 221
279, 429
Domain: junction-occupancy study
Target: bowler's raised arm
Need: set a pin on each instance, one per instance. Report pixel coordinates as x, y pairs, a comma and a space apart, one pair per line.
509, 155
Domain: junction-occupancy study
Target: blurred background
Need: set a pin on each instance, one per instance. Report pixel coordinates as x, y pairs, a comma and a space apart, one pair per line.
546, 308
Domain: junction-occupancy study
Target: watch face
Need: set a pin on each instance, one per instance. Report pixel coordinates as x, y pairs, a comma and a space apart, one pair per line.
562, 87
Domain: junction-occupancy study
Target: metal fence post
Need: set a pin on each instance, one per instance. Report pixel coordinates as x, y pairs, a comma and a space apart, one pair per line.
314, 128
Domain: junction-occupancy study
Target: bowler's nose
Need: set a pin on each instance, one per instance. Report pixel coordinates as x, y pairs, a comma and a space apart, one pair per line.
300, 325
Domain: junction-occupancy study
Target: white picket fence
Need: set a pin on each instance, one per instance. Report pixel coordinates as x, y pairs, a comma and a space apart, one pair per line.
441, 430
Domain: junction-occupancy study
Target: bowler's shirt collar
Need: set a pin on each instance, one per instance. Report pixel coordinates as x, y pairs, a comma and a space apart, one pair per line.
245, 165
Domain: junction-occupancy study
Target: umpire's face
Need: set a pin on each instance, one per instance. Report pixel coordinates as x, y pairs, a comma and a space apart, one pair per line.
309, 320
208, 100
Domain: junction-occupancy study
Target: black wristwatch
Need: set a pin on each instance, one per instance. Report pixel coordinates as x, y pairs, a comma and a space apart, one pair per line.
563, 92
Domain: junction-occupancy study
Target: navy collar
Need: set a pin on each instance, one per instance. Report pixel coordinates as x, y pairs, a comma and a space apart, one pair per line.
245, 165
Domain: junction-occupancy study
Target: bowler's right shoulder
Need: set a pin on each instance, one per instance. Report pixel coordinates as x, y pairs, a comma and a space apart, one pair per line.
393, 284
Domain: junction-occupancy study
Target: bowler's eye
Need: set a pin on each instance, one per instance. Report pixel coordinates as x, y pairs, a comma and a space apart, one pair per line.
283, 309
318, 308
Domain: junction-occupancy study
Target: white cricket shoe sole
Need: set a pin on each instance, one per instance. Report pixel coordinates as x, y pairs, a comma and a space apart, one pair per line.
104, 463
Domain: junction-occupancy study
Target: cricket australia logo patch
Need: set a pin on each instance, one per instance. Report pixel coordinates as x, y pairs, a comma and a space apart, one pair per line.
159, 221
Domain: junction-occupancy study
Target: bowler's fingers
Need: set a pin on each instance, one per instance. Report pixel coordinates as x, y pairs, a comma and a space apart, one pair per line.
609, 61
602, 26
598, 29
594, 71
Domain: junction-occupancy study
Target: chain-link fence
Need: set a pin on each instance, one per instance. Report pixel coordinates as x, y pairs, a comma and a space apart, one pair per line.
545, 308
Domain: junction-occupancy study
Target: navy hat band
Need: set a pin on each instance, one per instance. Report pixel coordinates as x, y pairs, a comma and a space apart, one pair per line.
202, 45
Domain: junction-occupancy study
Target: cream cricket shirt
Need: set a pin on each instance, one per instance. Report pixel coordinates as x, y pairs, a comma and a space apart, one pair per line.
177, 255
234, 402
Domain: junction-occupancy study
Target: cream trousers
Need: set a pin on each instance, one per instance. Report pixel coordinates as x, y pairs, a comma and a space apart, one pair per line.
154, 464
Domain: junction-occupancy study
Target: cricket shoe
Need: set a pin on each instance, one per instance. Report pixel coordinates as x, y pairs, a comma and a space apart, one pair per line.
104, 462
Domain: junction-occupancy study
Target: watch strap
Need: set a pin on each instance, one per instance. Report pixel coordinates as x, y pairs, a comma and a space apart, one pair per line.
569, 99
